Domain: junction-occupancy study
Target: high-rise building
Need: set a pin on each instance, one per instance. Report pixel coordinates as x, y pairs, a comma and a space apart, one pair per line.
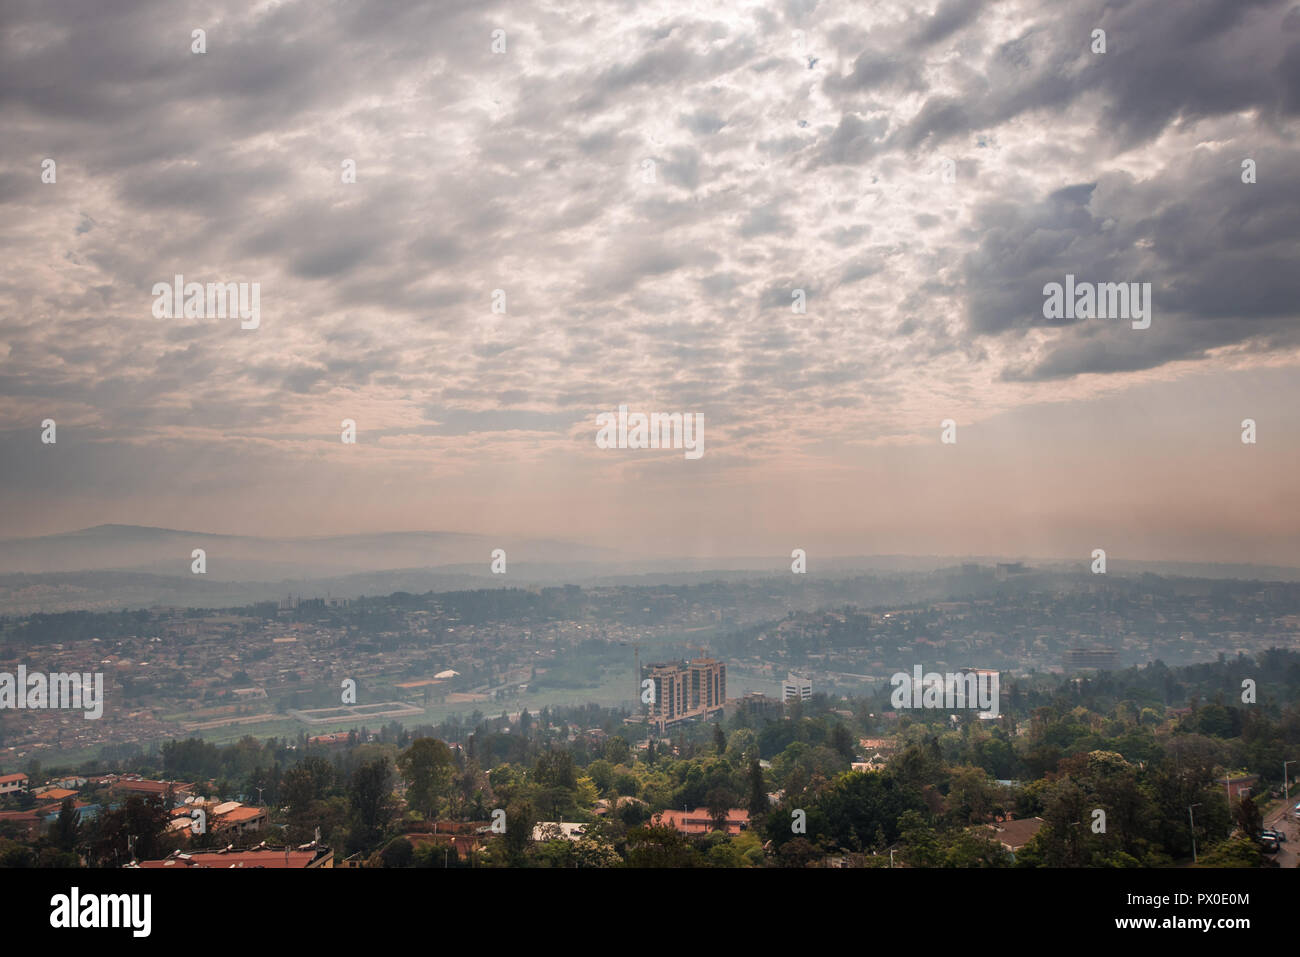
1084, 659
685, 690
795, 687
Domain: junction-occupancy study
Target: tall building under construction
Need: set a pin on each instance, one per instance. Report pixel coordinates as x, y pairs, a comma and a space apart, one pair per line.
686, 690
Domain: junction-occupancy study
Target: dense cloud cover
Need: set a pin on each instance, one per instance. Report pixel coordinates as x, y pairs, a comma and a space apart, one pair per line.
797, 145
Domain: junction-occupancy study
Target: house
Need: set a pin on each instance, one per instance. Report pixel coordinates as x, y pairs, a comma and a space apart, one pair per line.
876, 762
1015, 834
556, 830
700, 821
25, 819
135, 785
1239, 785
239, 818
12, 784
53, 794
85, 812
305, 857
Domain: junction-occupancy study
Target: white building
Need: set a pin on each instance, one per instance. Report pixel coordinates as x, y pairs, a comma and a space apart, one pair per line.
795, 687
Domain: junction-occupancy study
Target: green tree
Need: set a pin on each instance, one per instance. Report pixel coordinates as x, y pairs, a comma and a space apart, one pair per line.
397, 853
1249, 819
617, 750
428, 767
659, 846
370, 801
718, 802
759, 805
520, 818
65, 828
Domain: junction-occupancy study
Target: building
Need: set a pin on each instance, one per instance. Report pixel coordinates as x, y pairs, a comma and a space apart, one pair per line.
1013, 835
31, 820
700, 821
756, 704
1090, 659
146, 788
558, 830
12, 783
686, 691
1007, 570
238, 818
796, 688
1239, 785
306, 857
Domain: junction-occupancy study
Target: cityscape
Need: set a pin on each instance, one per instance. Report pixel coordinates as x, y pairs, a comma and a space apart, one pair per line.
589, 437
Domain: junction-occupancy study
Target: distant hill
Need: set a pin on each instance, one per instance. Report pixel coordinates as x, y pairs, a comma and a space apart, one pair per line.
166, 551
132, 566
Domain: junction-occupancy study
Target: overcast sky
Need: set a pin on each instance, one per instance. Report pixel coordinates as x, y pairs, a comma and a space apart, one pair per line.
795, 145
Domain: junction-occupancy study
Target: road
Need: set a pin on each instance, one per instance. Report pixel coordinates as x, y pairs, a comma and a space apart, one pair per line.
1282, 820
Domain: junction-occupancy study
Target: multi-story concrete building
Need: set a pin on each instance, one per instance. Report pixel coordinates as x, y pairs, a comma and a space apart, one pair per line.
687, 690
795, 687
1087, 659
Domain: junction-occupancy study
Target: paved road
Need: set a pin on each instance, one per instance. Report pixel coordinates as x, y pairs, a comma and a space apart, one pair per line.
1282, 820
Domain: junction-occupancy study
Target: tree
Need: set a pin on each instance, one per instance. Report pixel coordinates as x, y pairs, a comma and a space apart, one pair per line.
799, 852
428, 767
1249, 819
397, 853
520, 818
718, 802
759, 804
659, 846
133, 830
555, 769
65, 828
842, 742
1239, 851
617, 750
719, 740
370, 801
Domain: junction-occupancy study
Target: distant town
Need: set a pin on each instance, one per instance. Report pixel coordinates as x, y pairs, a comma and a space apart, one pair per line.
576, 726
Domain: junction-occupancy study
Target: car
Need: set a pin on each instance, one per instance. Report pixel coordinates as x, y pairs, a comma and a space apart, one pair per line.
1270, 846
1273, 835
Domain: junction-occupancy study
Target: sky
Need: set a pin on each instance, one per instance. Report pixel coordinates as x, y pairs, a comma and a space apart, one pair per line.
648, 184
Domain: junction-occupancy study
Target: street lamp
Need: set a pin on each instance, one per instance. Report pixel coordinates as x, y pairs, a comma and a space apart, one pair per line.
1192, 818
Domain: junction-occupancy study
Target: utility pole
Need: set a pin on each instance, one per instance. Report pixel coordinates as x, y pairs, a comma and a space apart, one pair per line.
1286, 785
1192, 817
1227, 786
